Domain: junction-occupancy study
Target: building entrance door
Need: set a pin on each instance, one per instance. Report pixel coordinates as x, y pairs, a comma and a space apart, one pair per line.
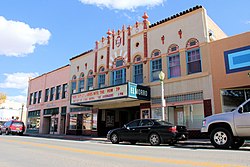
115, 118
179, 116
79, 124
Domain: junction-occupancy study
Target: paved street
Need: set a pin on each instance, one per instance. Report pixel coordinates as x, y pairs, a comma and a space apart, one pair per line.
25, 151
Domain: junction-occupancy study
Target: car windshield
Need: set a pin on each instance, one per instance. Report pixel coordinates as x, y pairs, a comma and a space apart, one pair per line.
161, 122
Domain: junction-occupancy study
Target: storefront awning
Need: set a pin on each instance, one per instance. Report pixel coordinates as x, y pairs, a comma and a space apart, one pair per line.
125, 92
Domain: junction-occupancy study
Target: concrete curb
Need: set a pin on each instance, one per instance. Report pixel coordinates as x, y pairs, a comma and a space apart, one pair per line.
67, 137
86, 138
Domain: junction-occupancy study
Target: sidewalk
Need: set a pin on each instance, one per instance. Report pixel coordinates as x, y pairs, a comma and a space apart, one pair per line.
67, 137
104, 139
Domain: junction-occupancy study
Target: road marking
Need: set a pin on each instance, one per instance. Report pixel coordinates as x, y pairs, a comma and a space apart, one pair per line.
124, 156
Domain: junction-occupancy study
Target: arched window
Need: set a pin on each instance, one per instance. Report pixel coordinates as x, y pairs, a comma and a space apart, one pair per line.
191, 43
137, 59
101, 77
90, 81
101, 69
193, 56
156, 53
138, 70
173, 49
155, 65
173, 61
73, 84
81, 82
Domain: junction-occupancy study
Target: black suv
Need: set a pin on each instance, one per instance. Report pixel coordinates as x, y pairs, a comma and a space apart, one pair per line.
13, 127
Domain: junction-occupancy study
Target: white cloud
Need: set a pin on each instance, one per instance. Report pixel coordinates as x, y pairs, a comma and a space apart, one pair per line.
123, 4
247, 22
17, 80
18, 99
19, 39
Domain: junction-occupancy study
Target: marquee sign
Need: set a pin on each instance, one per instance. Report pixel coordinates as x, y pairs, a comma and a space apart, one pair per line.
128, 90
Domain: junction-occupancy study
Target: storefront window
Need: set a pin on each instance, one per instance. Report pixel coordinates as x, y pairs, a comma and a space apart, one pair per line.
33, 123
189, 115
87, 121
156, 113
94, 126
72, 121
231, 99
54, 125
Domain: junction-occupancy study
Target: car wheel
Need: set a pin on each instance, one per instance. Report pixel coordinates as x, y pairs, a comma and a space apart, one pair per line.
1, 132
237, 143
21, 133
221, 138
114, 138
154, 139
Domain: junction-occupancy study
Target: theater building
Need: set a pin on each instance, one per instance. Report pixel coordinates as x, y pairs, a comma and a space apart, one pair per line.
48, 102
230, 59
118, 80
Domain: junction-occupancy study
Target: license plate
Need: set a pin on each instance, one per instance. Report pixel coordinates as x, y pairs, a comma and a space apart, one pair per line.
17, 128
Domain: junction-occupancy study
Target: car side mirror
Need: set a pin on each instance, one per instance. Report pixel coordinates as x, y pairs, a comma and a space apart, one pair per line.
240, 109
127, 127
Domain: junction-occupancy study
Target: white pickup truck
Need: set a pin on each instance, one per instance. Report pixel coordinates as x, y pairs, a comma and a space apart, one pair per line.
230, 129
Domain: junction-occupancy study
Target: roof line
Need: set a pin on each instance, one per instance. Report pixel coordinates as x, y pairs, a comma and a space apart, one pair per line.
50, 71
175, 16
81, 54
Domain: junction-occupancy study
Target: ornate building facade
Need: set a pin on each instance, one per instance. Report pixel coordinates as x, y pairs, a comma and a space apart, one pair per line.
118, 80
177, 45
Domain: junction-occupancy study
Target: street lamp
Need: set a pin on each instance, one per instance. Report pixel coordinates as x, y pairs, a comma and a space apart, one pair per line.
22, 112
162, 77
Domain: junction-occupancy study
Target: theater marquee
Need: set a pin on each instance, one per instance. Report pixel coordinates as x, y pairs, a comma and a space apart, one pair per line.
128, 90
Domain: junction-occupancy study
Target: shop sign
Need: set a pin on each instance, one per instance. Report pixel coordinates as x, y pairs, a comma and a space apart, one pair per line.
100, 94
128, 90
138, 91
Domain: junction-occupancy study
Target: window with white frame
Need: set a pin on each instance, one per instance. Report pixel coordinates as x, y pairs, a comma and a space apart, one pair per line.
156, 68
156, 65
65, 87
119, 76
101, 78
58, 91
138, 73
39, 96
81, 83
174, 68
46, 98
31, 97
73, 84
138, 70
35, 98
52, 93
90, 81
193, 57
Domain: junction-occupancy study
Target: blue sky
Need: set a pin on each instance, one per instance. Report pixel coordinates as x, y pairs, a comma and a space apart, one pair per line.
39, 36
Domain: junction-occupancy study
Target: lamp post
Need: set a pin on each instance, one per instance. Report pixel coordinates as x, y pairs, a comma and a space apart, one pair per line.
162, 77
22, 112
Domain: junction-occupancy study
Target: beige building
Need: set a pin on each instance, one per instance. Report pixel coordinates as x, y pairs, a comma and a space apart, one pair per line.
118, 80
